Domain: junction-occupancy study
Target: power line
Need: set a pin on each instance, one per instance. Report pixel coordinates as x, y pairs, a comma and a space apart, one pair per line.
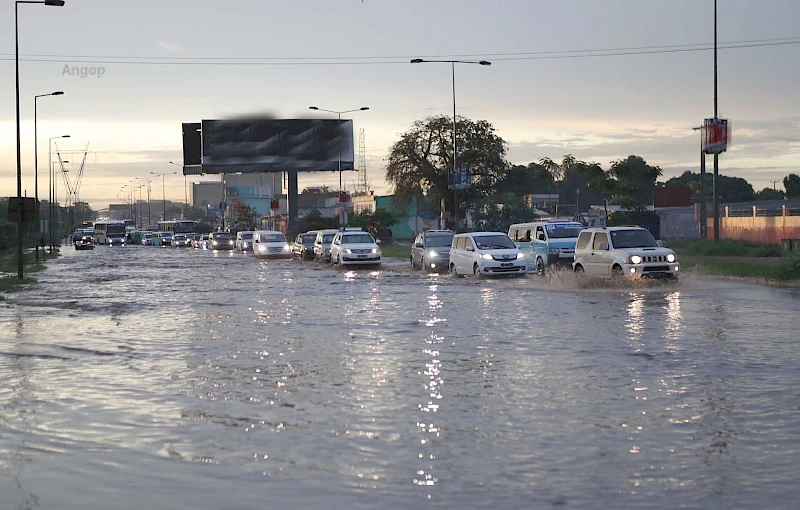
381, 60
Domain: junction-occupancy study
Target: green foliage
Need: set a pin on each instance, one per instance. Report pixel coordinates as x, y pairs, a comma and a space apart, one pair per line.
376, 223
790, 270
730, 189
242, 216
619, 218
396, 250
635, 182
724, 247
498, 214
791, 183
420, 161
315, 221
770, 194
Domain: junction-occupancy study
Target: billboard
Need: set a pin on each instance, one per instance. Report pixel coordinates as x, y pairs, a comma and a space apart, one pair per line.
276, 145
716, 136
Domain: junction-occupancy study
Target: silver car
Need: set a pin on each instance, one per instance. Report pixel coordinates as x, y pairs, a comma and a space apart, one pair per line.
431, 250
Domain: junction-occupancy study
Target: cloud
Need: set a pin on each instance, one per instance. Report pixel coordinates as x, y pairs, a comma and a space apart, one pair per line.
170, 46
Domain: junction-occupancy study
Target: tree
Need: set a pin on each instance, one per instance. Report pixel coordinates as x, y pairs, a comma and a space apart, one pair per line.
497, 214
314, 220
730, 189
376, 223
242, 216
769, 194
791, 183
635, 182
420, 161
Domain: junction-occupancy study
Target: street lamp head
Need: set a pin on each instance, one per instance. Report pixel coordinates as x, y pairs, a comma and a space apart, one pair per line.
58, 93
485, 63
364, 108
65, 136
417, 61
55, 3
313, 108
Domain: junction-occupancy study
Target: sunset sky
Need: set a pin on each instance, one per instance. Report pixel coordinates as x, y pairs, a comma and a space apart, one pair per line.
168, 62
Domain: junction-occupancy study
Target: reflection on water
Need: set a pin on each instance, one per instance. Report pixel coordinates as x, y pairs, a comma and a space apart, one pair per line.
336, 388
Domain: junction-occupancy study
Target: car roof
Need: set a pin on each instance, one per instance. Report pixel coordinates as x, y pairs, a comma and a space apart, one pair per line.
478, 234
327, 231
261, 232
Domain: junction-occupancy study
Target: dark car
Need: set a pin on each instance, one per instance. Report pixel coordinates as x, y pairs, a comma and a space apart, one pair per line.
431, 250
303, 246
220, 241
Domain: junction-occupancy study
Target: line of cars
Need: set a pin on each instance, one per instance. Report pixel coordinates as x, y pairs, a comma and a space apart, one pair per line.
349, 246
613, 252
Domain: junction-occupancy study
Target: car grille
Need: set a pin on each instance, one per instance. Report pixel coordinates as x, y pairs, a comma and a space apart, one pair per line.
655, 269
505, 258
654, 258
362, 251
274, 250
515, 269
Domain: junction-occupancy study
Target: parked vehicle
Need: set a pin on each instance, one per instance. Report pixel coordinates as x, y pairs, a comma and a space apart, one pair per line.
546, 243
147, 238
431, 250
355, 247
220, 241
322, 245
180, 241
270, 244
484, 254
303, 246
620, 252
244, 240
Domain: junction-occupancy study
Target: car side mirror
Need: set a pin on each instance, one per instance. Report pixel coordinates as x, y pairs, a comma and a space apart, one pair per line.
541, 237
418, 245
660, 243
377, 241
603, 247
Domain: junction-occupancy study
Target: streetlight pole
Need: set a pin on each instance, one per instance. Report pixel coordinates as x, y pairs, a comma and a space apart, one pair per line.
185, 193
36, 167
163, 191
55, 196
716, 154
51, 193
149, 217
455, 151
339, 116
57, 3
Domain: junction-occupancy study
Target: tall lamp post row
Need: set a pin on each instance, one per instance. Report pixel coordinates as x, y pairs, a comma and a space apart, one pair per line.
455, 149
56, 3
38, 228
52, 200
185, 192
164, 190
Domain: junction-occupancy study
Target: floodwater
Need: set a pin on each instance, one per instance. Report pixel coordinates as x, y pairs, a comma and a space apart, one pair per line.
169, 378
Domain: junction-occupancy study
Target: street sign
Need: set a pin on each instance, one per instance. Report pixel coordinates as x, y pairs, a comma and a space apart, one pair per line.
21, 210
461, 179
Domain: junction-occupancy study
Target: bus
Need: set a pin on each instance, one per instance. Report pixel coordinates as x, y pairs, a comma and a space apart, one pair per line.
178, 226
109, 232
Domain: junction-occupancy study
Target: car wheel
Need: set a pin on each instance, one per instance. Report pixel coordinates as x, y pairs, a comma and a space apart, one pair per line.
339, 259
453, 270
476, 269
413, 266
617, 273
579, 270
539, 267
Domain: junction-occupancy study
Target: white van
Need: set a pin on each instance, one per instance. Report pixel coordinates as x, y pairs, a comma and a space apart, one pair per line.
484, 254
271, 244
546, 243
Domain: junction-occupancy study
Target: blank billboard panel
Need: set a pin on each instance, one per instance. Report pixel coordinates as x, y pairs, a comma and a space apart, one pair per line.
191, 143
277, 145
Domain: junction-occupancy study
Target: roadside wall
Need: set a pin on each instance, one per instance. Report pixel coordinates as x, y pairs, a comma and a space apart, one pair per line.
759, 225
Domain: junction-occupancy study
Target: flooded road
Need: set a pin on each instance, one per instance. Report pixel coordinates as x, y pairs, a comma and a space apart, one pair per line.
164, 378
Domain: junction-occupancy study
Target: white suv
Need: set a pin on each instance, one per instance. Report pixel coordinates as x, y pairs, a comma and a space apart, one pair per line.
322, 245
355, 247
485, 253
618, 252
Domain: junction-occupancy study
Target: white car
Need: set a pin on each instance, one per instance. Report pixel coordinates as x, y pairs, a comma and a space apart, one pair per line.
244, 240
271, 244
322, 245
484, 254
619, 252
355, 247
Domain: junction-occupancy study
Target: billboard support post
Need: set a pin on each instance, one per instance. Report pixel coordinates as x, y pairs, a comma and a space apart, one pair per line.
291, 195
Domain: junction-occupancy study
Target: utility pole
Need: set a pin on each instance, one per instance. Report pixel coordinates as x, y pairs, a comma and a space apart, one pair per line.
716, 116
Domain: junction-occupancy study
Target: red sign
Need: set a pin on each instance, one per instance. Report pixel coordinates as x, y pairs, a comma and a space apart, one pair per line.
716, 136
344, 197
274, 204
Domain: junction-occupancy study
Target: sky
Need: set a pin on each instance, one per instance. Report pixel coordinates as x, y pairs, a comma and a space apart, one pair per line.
165, 62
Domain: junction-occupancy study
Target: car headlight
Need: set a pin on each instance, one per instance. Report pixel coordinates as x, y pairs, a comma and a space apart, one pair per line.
520, 255
671, 258
636, 259
553, 251
376, 250
286, 247
485, 256
348, 250
214, 243
433, 254
230, 242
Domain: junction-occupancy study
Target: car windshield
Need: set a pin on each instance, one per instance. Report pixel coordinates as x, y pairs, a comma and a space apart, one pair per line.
222, 236
116, 229
563, 230
357, 239
247, 236
180, 236
273, 238
494, 242
439, 240
327, 238
309, 239
634, 238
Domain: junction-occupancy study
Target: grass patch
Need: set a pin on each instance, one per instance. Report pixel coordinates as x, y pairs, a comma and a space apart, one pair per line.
8, 261
724, 248
12, 283
396, 250
784, 271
